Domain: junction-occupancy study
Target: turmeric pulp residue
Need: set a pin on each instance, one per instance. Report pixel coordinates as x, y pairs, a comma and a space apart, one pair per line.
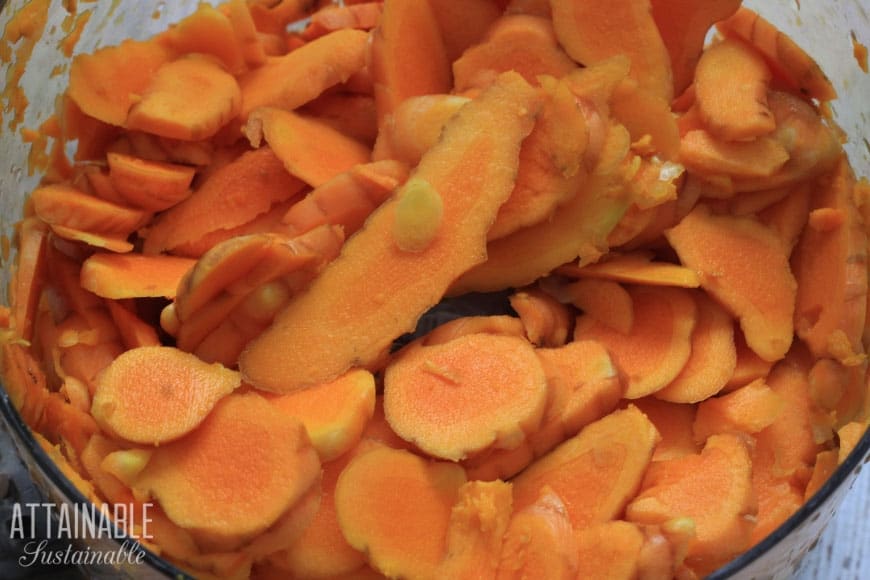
860, 52
19, 37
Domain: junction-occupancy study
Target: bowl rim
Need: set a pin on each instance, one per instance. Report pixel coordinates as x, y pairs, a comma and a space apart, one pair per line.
853, 462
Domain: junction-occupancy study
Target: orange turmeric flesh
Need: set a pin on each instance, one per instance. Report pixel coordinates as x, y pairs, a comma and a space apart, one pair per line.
491, 387
430, 289
402, 285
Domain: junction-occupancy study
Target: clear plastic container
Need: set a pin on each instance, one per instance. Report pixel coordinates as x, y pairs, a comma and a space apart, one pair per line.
821, 27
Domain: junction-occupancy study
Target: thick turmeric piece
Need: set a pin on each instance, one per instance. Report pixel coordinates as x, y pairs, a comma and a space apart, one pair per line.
472, 169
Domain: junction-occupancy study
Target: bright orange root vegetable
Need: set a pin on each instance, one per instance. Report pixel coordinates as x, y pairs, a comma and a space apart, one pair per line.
403, 285
610, 456
682, 487
659, 344
234, 476
401, 537
157, 394
493, 386
119, 276
716, 247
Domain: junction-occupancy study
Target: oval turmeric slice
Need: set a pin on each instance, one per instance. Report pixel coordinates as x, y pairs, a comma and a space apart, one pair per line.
395, 507
155, 394
493, 388
235, 476
658, 346
744, 266
597, 472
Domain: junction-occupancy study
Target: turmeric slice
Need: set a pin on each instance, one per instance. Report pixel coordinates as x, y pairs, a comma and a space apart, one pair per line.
748, 410
353, 114
733, 107
415, 126
551, 169
106, 84
403, 284
362, 16
407, 57
713, 358
191, 99
589, 33
119, 276
579, 228
682, 487
646, 114
234, 194
659, 344
786, 58
234, 476
311, 150
150, 185
65, 206
706, 154
207, 31
539, 540
321, 551
604, 300
830, 265
684, 25
29, 276
583, 387
525, 44
608, 456
674, 422
298, 77
400, 538
635, 268
812, 146
476, 530
749, 365
157, 394
717, 247
547, 322
463, 25
335, 413
347, 199
465, 325
493, 386
610, 549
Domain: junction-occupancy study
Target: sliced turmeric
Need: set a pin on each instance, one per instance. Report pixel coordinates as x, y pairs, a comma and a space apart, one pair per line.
407, 56
539, 540
120, 276
717, 247
155, 394
403, 285
713, 358
311, 150
334, 414
150, 185
493, 388
590, 33
610, 456
190, 98
395, 507
234, 476
789, 61
659, 344
734, 108
232, 195
682, 487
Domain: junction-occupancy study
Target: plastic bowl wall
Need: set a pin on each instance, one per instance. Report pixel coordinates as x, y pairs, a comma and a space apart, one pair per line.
821, 27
